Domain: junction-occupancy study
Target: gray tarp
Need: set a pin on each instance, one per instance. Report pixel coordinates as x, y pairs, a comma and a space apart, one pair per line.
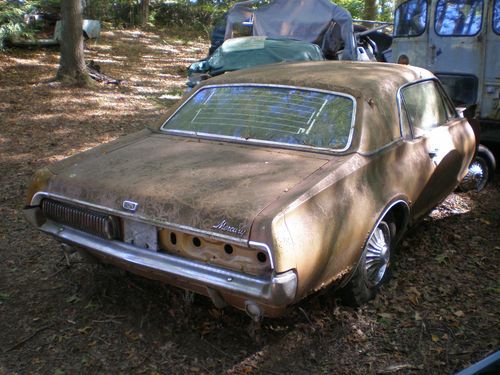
305, 20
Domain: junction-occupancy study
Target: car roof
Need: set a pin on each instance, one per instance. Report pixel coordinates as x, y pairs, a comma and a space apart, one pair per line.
373, 85
360, 79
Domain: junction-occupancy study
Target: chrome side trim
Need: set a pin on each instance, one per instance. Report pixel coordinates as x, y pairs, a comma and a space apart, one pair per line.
275, 289
263, 142
380, 149
37, 198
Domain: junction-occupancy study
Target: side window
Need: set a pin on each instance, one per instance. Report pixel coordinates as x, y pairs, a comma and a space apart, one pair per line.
410, 18
496, 17
458, 17
425, 106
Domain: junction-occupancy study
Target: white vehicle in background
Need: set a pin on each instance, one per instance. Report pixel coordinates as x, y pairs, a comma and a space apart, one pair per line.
51, 31
459, 41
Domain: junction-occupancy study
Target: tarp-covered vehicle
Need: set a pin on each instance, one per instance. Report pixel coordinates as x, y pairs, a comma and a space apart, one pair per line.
307, 20
285, 31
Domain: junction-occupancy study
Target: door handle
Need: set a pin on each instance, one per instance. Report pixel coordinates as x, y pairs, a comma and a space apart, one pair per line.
434, 156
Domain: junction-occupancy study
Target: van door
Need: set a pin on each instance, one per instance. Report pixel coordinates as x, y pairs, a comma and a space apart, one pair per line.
490, 108
456, 50
442, 137
411, 32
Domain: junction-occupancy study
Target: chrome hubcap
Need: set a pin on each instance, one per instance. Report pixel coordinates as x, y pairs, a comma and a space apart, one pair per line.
477, 176
378, 253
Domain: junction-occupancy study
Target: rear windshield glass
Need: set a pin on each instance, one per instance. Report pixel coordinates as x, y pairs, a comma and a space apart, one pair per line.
280, 115
496, 17
410, 18
458, 17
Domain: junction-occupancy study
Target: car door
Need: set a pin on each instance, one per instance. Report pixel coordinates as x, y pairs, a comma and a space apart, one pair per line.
439, 136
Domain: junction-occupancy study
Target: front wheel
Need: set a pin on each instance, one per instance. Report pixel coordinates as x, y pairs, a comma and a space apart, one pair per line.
374, 265
481, 171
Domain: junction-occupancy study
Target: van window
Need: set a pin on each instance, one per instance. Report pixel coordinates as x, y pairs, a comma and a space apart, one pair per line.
496, 17
458, 17
410, 18
425, 106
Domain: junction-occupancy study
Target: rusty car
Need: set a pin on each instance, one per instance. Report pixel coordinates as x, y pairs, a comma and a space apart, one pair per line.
265, 185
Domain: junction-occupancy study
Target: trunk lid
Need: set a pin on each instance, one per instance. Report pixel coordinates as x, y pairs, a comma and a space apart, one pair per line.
207, 185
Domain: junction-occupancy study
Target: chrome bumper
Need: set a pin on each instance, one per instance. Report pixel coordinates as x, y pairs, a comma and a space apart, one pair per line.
276, 290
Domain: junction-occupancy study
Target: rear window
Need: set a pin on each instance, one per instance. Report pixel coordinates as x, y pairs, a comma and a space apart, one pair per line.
410, 18
281, 115
458, 17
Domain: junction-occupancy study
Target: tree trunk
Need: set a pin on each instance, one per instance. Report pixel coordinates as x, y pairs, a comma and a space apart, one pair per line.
72, 67
144, 12
370, 10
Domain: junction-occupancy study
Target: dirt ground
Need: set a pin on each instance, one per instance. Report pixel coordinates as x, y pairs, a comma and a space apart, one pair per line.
439, 313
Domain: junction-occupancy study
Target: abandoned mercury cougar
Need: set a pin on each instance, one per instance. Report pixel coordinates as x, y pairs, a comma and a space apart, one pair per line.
267, 184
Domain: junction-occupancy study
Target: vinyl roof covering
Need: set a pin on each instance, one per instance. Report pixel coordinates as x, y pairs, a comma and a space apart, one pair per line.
356, 78
374, 86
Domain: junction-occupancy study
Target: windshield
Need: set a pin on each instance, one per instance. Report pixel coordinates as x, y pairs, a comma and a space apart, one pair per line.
458, 17
276, 114
496, 17
410, 18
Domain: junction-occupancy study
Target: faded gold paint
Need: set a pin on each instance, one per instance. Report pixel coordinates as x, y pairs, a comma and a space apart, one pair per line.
314, 210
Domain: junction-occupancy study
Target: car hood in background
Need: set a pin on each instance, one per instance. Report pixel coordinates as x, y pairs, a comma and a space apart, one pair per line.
185, 181
246, 52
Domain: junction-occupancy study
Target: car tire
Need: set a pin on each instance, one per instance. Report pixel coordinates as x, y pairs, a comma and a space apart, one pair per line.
374, 266
481, 171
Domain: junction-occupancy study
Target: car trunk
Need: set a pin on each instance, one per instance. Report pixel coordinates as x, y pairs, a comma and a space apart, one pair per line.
186, 181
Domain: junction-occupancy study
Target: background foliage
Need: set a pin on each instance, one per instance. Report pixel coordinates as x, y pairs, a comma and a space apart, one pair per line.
178, 15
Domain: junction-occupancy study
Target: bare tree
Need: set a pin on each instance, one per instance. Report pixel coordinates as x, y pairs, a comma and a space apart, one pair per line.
72, 67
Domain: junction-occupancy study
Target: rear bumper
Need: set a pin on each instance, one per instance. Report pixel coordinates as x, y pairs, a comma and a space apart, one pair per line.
275, 290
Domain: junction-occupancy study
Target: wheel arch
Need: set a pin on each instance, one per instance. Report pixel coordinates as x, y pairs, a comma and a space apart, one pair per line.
399, 210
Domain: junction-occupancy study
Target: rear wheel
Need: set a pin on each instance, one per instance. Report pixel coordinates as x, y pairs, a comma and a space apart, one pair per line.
374, 267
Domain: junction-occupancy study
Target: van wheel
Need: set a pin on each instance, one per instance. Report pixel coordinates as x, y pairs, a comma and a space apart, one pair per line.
374, 266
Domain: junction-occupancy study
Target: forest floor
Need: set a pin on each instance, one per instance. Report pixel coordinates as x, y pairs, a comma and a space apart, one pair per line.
438, 314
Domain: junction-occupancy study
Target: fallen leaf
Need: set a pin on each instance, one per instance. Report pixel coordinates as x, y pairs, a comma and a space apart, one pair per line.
85, 330
385, 315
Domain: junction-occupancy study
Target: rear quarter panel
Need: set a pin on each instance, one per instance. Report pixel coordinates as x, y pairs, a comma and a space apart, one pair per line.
328, 225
